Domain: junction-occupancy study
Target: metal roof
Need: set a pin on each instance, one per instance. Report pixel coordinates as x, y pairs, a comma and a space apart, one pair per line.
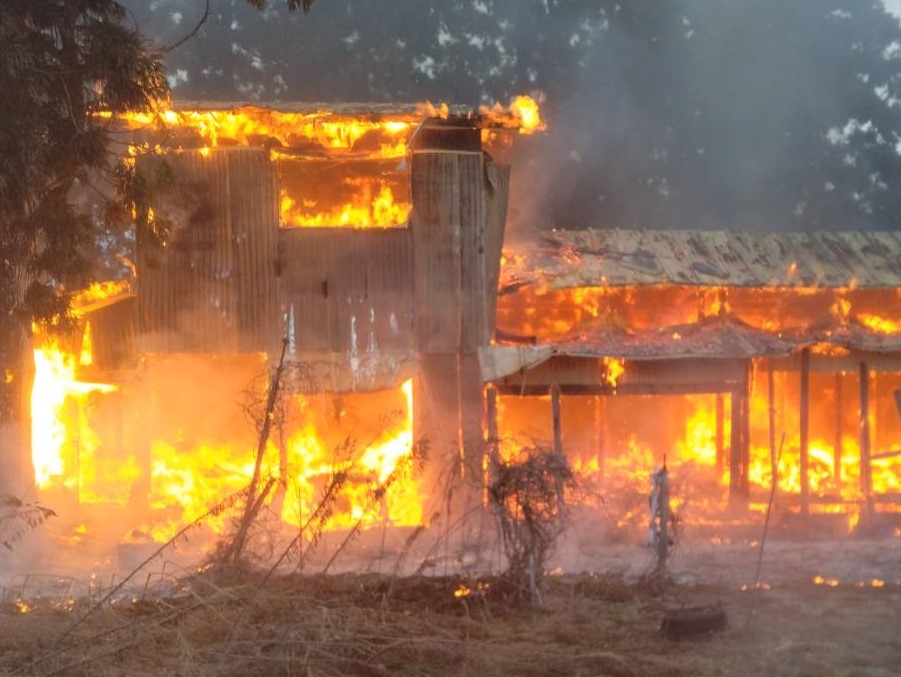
720, 337
591, 258
723, 337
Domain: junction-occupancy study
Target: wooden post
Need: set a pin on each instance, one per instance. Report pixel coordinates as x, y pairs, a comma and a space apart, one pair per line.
746, 433
493, 440
735, 455
839, 433
866, 480
805, 430
720, 434
660, 496
771, 420
558, 438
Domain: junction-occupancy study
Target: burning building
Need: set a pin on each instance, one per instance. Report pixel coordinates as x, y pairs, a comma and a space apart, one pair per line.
363, 248
748, 355
358, 246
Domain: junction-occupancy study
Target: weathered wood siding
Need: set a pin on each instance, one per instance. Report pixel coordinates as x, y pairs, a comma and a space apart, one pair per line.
213, 288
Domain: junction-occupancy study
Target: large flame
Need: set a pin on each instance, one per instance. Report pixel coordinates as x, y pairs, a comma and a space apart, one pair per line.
185, 478
318, 137
58, 403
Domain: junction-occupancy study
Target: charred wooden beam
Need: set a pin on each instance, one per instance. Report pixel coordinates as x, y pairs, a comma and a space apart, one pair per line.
805, 431
735, 455
558, 439
746, 432
493, 440
720, 434
838, 401
866, 480
771, 420
509, 387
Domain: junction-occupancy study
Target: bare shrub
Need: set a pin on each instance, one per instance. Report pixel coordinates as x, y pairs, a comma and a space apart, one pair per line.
526, 496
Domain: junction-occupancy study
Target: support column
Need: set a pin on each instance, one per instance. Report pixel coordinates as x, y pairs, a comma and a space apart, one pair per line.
771, 421
839, 432
493, 441
866, 479
746, 433
558, 439
720, 434
804, 431
735, 450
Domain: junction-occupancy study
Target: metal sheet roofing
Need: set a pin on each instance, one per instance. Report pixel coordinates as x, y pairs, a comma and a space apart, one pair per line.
711, 338
590, 258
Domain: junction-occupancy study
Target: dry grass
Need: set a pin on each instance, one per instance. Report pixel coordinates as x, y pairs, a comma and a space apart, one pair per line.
326, 626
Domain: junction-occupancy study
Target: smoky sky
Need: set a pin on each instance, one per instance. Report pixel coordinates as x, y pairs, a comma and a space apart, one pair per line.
686, 113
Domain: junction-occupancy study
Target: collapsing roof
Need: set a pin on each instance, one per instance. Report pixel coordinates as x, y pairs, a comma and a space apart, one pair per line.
598, 258
710, 338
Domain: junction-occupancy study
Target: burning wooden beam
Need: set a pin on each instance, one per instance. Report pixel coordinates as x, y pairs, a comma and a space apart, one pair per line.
805, 431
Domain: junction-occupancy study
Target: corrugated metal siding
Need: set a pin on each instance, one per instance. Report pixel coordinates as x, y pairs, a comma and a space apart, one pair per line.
865, 259
213, 289
351, 290
497, 197
113, 335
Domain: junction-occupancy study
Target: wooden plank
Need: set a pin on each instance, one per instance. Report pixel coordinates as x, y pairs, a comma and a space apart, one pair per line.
838, 417
601, 390
866, 478
735, 449
805, 431
720, 434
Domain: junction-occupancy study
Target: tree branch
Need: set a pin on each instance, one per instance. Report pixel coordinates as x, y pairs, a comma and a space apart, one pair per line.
194, 31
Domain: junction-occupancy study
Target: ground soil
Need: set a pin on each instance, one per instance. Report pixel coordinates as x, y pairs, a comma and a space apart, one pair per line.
827, 607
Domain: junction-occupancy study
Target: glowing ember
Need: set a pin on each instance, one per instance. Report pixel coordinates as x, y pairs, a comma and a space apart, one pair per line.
822, 580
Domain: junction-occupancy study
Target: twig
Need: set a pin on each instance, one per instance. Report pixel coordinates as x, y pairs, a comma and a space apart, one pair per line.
234, 552
194, 31
766, 524
216, 509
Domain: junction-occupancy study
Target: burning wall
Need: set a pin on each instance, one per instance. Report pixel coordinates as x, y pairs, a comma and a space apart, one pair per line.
361, 310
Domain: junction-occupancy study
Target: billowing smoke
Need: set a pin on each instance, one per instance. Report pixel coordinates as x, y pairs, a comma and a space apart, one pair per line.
684, 114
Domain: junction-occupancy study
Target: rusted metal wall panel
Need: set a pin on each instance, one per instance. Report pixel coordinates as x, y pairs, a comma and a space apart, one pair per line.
350, 290
858, 259
212, 289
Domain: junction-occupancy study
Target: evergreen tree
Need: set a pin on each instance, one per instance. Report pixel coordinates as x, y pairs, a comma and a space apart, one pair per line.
62, 64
